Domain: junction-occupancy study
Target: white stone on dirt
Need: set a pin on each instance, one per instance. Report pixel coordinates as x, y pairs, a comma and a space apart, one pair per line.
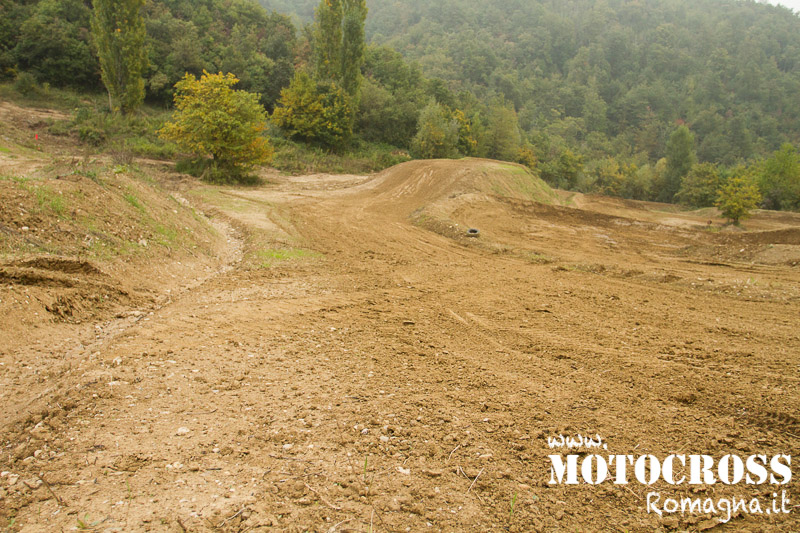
182, 431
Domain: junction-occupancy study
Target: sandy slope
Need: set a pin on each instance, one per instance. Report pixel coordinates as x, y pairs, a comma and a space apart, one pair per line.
405, 377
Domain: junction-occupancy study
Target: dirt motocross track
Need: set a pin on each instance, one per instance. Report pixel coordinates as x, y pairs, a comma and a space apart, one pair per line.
394, 374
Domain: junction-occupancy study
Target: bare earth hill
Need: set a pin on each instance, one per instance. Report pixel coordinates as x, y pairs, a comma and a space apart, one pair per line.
362, 364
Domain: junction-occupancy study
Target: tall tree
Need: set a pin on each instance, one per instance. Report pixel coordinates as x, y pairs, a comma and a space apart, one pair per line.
119, 34
328, 40
339, 43
779, 179
355, 14
502, 139
680, 160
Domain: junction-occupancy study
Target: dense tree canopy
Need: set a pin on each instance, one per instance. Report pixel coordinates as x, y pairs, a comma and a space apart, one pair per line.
647, 100
680, 160
779, 179
437, 135
314, 112
236, 36
623, 71
51, 39
699, 187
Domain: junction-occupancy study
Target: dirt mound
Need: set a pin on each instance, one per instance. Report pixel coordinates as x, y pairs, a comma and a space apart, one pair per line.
86, 239
416, 184
781, 236
435, 193
60, 264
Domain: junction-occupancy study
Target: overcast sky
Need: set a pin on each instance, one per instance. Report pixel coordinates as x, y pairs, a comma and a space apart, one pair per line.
792, 4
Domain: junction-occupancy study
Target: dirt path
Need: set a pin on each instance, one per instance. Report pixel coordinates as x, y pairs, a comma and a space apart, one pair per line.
399, 379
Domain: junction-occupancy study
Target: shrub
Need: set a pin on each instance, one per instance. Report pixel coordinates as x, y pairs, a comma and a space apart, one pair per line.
90, 134
26, 84
737, 198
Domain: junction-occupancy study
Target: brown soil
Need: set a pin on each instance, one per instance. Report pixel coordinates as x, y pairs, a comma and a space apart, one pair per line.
367, 366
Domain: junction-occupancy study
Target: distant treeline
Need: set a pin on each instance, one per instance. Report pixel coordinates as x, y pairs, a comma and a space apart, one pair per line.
595, 96
598, 89
51, 39
612, 76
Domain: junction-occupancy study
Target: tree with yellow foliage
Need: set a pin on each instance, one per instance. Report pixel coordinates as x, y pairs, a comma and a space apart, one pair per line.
737, 198
213, 119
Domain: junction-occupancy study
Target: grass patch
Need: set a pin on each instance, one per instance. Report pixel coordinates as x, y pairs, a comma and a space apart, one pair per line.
15, 179
92, 122
30, 92
537, 258
60, 128
125, 135
134, 201
521, 180
50, 200
86, 173
222, 200
167, 235
101, 250
146, 147
5, 150
360, 158
271, 257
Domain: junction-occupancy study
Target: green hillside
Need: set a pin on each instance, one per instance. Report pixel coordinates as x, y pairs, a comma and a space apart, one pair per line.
620, 97
614, 75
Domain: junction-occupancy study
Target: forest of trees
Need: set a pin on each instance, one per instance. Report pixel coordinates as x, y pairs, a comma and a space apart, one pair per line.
611, 75
653, 100
51, 39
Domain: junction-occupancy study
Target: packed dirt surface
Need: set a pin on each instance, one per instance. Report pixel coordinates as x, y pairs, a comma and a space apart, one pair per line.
364, 363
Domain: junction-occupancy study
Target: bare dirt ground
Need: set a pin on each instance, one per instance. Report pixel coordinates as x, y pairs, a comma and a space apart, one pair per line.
363, 365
